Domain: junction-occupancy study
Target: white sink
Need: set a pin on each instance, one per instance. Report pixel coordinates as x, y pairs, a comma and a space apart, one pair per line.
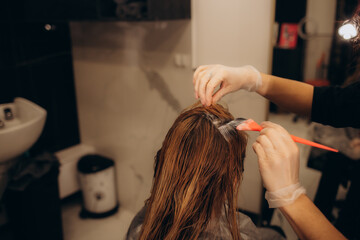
20, 133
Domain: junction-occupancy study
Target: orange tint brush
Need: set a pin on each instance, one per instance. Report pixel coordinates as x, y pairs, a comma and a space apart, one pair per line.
251, 125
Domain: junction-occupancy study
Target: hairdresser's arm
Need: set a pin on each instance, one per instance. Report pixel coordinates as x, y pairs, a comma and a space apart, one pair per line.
278, 159
307, 220
291, 95
288, 94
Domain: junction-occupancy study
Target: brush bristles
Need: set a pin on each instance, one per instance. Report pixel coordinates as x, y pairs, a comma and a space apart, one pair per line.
227, 128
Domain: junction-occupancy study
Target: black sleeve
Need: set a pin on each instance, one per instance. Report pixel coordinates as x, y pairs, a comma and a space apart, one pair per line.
336, 106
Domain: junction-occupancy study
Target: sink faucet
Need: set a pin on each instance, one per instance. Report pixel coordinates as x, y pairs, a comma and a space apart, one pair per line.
8, 114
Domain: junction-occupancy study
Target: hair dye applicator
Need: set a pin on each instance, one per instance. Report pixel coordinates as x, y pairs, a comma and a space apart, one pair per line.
243, 124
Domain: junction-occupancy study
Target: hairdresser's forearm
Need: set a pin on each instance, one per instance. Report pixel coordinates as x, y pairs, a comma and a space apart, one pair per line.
291, 95
308, 222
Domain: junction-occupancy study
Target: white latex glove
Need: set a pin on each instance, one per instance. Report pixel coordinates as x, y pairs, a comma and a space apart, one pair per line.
208, 77
278, 157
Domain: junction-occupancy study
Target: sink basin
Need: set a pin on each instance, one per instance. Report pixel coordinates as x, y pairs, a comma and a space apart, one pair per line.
20, 133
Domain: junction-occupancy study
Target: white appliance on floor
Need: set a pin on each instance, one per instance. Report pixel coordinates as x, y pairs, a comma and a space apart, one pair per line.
97, 182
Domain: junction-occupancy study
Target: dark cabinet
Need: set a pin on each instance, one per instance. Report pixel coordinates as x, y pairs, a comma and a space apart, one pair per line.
113, 10
81, 9
288, 63
54, 10
39, 10
169, 9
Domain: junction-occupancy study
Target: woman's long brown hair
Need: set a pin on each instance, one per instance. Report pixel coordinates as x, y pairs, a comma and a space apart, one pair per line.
197, 173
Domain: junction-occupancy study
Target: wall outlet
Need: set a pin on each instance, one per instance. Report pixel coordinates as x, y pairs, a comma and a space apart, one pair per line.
182, 60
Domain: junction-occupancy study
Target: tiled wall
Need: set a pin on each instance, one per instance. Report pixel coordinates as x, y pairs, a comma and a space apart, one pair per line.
129, 92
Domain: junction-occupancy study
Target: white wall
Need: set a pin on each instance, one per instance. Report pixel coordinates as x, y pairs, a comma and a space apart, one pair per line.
236, 33
232, 32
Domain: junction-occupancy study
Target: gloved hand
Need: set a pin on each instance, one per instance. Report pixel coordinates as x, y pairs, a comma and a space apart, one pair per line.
278, 158
208, 77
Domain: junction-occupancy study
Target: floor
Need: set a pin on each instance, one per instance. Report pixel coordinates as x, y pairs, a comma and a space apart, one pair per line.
109, 228
115, 227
